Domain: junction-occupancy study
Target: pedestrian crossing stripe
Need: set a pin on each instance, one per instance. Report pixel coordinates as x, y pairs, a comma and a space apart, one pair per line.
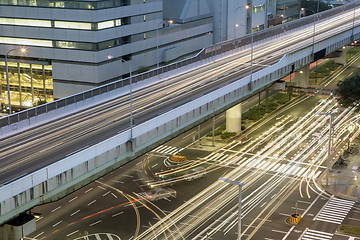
335, 210
315, 235
168, 150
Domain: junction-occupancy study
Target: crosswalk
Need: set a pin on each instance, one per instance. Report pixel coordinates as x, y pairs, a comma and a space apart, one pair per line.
316, 235
335, 210
168, 150
228, 160
99, 236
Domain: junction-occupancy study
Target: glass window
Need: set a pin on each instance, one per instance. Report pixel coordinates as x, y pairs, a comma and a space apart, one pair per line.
259, 8
73, 25
106, 24
26, 42
25, 22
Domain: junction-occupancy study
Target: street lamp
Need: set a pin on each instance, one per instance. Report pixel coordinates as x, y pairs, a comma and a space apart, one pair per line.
240, 189
157, 39
237, 25
130, 85
329, 150
22, 50
251, 51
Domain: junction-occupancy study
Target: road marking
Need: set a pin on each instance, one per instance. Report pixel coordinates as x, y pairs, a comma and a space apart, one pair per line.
57, 223
106, 193
117, 181
116, 214
154, 165
75, 212
313, 234
354, 219
56, 209
91, 202
73, 199
278, 231
351, 74
95, 223
39, 235
72, 233
102, 188
263, 204
335, 210
88, 190
114, 195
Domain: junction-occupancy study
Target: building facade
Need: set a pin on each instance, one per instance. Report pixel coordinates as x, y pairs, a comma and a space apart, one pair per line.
68, 44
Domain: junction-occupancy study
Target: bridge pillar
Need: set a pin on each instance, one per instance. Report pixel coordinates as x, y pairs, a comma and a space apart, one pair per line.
342, 58
18, 228
233, 119
301, 78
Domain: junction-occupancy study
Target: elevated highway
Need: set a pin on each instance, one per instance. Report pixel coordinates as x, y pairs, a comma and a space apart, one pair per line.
52, 150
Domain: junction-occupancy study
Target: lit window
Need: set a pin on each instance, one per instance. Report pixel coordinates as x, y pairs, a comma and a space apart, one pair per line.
25, 22
144, 18
106, 24
26, 42
118, 22
144, 35
74, 25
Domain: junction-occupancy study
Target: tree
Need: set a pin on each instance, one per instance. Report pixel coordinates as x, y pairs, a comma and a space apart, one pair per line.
349, 90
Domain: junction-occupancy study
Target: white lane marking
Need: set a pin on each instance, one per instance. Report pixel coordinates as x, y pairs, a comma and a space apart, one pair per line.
72, 233
106, 193
57, 223
56, 209
114, 195
95, 223
91, 202
154, 165
313, 234
117, 181
73, 199
116, 214
125, 175
278, 231
39, 235
75, 212
102, 188
351, 74
88, 190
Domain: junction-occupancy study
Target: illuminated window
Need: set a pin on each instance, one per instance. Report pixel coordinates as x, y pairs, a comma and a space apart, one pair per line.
26, 42
106, 24
118, 22
259, 8
144, 18
74, 25
25, 22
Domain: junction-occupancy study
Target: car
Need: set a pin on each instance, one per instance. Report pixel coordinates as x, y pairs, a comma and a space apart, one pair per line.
195, 173
157, 194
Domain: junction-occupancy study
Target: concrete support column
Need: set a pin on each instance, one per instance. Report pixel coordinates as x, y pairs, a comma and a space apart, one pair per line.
233, 119
342, 58
301, 78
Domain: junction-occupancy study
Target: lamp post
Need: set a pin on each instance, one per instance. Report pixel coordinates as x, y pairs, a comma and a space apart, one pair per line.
22, 50
251, 51
239, 206
237, 25
157, 39
329, 149
130, 85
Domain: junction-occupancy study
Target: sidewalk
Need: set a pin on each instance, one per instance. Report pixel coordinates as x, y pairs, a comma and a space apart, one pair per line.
343, 181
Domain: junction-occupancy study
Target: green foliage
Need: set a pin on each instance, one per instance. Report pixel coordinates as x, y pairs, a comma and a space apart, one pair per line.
217, 131
350, 230
226, 135
349, 90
